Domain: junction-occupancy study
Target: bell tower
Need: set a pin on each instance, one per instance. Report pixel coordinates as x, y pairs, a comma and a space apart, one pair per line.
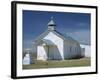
51, 24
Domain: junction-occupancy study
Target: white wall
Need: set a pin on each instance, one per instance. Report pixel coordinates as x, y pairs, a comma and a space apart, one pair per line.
70, 49
87, 50
55, 50
57, 41
67, 53
41, 52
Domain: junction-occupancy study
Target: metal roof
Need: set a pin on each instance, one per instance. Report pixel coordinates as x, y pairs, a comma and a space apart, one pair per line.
63, 36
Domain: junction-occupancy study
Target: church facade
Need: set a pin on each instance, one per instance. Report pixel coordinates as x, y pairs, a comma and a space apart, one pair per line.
52, 45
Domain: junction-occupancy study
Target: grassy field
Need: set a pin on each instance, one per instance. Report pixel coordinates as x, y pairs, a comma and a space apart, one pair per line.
58, 64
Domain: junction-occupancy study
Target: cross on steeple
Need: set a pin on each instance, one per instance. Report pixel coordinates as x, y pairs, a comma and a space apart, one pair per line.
51, 24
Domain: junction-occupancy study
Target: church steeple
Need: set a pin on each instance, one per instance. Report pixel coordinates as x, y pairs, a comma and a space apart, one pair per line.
51, 24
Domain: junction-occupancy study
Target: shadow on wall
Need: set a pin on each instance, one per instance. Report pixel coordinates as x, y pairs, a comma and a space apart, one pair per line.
70, 54
83, 52
53, 53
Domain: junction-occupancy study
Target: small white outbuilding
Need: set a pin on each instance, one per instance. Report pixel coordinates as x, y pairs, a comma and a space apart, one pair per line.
52, 45
87, 51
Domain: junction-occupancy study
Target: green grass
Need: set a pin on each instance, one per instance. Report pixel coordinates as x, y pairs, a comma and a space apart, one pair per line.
59, 63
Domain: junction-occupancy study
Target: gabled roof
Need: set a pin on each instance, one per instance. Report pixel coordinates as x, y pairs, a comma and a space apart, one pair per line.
66, 36
63, 36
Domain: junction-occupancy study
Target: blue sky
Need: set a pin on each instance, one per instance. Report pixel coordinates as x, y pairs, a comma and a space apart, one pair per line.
76, 25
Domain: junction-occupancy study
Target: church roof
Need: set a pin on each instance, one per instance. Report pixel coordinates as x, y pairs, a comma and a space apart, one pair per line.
63, 36
66, 36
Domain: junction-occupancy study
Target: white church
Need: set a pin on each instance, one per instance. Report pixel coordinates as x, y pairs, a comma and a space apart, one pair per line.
52, 45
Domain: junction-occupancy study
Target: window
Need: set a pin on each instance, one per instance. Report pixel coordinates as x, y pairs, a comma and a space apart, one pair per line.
70, 49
